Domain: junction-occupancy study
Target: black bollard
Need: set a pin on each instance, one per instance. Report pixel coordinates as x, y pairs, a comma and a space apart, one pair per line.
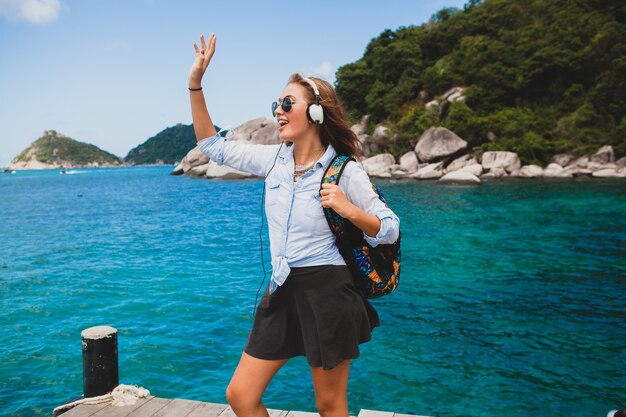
100, 371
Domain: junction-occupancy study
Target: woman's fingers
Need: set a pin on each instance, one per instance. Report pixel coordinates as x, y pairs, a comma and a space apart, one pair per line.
203, 42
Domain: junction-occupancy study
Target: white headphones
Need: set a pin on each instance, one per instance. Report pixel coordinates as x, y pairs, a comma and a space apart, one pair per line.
315, 112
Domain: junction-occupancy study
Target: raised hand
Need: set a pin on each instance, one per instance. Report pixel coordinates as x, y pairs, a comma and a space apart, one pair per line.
200, 64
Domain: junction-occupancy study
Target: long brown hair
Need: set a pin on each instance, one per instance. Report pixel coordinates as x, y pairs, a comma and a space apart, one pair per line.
335, 129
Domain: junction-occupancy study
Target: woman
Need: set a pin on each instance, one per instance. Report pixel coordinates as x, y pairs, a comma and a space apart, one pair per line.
311, 306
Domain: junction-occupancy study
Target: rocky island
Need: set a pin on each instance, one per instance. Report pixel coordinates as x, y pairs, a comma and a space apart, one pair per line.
55, 150
439, 154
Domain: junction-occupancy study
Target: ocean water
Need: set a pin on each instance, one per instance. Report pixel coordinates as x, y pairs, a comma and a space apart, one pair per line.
511, 300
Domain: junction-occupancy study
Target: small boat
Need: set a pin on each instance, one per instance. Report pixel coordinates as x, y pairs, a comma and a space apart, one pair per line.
9, 171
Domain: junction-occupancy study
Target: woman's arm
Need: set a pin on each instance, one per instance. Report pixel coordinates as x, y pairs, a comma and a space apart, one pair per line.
202, 124
333, 197
361, 205
242, 156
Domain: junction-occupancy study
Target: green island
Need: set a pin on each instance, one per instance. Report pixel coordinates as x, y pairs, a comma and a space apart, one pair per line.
538, 77
53, 150
167, 147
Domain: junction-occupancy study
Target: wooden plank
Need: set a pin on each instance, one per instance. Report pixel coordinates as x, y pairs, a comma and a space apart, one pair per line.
277, 413
121, 411
85, 410
302, 414
208, 410
150, 407
228, 412
178, 408
374, 413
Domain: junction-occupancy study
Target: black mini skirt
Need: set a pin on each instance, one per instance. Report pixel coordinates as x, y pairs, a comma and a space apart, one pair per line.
317, 313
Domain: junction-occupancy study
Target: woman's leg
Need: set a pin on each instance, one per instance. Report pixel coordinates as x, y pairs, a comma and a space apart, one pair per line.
331, 390
248, 384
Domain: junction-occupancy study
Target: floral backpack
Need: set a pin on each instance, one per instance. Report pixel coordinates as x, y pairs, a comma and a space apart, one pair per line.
376, 270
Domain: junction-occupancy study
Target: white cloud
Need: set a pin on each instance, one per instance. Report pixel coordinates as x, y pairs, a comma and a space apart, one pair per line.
34, 11
325, 71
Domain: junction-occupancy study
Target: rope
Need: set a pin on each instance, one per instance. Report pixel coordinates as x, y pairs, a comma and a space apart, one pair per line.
120, 396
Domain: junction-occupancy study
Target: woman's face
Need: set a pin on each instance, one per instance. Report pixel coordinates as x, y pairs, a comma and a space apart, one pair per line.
294, 123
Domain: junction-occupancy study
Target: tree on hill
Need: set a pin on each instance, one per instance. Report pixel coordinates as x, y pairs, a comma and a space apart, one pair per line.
543, 76
167, 146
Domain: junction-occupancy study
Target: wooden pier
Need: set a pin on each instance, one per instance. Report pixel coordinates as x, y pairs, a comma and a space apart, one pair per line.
161, 407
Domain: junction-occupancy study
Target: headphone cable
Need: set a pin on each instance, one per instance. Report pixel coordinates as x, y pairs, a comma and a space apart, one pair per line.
261, 231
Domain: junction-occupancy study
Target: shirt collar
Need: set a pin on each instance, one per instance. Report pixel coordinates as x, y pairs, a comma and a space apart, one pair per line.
286, 154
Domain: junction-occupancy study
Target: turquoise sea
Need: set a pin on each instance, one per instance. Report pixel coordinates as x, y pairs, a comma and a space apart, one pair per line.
512, 300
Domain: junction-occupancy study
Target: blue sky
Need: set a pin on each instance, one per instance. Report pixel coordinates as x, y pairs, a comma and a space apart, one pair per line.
114, 72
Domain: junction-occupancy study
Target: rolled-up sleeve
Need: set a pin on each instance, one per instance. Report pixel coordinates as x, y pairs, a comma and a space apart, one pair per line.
355, 183
252, 158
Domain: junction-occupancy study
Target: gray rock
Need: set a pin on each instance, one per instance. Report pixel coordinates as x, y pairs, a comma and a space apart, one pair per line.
364, 139
379, 165
579, 162
495, 172
198, 170
408, 162
608, 173
562, 159
258, 131
556, 171
432, 105
528, 171
194, 157
474, 169
578, 172
431, 171
597, 166
461, 162
604, 155
509, 161
463, 177
454, 94
437, 143
621, 162
178, 170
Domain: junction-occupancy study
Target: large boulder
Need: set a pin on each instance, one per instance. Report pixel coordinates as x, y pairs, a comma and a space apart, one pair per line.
474, 169
608, 173
581, 162
509, 161
379, 165
604, 155
556, 171
461, 177
528, 171
258, 131
562, 159
198, 170
438, 143
495, 172
429, 172
621, 162
194, 157
408, 162
178, 170
597, 166
461, 162
364, 139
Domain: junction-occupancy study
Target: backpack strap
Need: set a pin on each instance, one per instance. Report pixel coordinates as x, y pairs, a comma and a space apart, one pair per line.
338, 225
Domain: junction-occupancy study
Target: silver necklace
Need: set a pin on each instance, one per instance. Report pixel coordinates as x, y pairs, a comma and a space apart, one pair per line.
301, 169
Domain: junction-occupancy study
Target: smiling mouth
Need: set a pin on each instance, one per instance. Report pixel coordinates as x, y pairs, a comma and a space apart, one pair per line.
282, 123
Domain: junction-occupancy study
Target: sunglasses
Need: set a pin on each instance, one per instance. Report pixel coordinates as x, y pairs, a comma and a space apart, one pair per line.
285, 103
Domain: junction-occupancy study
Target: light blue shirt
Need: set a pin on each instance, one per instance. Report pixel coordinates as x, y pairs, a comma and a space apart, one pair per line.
299, 233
